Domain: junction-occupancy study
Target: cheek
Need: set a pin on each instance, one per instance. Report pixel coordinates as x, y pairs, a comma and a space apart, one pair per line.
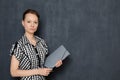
26, 25
36, 26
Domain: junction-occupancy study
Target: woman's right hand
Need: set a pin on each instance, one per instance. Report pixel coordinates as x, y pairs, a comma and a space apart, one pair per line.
44, 71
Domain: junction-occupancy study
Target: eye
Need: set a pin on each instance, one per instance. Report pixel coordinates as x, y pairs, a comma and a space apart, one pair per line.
28, 21
36, 22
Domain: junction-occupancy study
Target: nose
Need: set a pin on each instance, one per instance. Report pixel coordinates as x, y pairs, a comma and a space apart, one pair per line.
32, 24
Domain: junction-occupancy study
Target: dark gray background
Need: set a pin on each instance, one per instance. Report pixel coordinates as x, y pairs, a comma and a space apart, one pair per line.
89, 29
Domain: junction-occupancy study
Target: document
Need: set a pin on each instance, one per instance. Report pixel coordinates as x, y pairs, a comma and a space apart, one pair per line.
59, 54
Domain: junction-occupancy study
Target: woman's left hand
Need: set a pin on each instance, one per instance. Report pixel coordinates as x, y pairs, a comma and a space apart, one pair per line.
59, 63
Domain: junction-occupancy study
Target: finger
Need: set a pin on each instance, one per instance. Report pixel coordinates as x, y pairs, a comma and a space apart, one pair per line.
49, 69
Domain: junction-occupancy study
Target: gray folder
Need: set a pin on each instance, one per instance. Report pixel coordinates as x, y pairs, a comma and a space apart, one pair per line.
59, 54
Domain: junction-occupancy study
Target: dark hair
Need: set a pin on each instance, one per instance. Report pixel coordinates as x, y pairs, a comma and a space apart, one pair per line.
32, 12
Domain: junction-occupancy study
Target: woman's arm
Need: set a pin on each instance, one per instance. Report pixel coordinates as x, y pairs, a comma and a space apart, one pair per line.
16, 72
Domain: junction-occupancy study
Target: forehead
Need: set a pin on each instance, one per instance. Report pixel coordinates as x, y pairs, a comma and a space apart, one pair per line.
31, 16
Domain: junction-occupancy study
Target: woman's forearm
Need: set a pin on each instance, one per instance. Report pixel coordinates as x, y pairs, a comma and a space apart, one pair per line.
21, 73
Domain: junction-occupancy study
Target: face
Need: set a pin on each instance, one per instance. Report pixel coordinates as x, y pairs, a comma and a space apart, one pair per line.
30, 23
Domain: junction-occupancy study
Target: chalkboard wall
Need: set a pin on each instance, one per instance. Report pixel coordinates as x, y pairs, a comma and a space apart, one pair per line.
89, 29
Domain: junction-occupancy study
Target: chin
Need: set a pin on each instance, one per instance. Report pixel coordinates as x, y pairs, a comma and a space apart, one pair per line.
31, 32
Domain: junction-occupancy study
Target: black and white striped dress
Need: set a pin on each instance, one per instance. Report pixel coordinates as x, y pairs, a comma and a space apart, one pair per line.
29, 56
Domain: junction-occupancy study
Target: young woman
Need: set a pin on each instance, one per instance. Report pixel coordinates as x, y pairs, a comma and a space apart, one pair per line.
28, 53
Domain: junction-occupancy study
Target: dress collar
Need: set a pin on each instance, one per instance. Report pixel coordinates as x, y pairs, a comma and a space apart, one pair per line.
26, 41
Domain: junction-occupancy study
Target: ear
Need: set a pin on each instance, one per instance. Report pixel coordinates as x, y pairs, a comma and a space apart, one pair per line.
23, 23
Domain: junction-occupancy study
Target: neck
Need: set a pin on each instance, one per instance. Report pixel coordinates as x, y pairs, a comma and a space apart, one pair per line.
29, 36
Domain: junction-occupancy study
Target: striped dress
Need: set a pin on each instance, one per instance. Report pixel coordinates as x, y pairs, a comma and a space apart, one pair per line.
29, 56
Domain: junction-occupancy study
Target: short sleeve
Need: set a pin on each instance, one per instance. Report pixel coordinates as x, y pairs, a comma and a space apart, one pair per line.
16, 51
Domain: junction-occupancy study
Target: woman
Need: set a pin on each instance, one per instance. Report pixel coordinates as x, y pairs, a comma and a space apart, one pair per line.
28, 53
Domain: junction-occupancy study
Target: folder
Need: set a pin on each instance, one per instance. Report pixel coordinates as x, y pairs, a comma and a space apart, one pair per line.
59, 54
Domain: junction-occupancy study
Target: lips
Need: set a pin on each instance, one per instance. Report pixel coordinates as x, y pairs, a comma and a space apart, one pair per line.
32, 29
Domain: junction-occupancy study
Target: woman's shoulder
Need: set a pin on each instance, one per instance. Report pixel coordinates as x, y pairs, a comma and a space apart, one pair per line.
15, 45
39, 38
18, 42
